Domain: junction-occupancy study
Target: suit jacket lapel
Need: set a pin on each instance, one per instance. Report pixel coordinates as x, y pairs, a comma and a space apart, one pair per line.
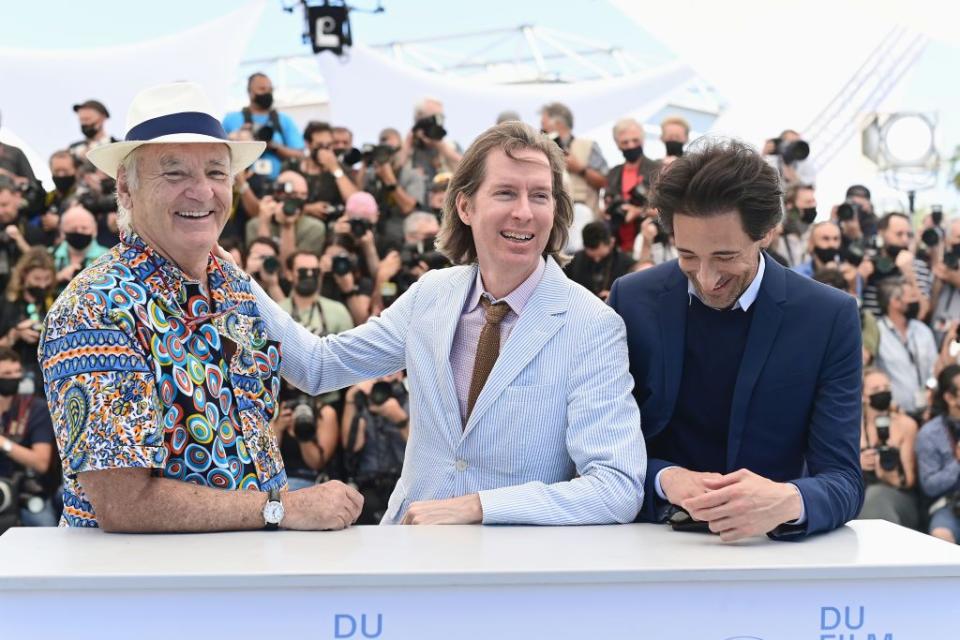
542, 317
443, 326
674, 301
763, 332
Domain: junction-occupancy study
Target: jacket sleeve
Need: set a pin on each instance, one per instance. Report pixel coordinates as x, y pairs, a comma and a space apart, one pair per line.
833, 490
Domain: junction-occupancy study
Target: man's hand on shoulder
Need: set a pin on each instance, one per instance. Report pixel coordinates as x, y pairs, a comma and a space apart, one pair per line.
331, 505
743, 504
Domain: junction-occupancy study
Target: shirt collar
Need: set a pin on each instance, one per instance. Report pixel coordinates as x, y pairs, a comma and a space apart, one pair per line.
516, 299
164, 279
748, 297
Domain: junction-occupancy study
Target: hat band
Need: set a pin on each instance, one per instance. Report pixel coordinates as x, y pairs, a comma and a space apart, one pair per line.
183, 122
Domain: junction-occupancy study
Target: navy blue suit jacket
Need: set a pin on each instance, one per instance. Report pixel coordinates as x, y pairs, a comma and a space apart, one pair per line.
797, 401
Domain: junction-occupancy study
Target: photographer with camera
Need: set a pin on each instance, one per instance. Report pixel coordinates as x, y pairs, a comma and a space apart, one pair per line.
627, 184
396, 185
92, 116
938, 457
44, 229
892, 260
96, 191
276, 129
27, 470
321, 316
426, 146
887, 440
307, 431
400, 269
600, 262
374, 433
824, 247
584, 161
346, 276
79, 248
946, 286
281, 217
800, 206
24, 307
12, 242
328, 185
787, 154
263, 265
907, 351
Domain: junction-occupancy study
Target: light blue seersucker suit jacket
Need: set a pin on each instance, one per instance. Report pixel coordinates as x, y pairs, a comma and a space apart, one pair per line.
554, 437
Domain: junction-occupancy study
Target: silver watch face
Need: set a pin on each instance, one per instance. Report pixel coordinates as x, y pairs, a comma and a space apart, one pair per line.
273, 512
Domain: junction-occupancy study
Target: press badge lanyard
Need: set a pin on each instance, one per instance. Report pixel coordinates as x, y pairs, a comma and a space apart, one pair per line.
907, 347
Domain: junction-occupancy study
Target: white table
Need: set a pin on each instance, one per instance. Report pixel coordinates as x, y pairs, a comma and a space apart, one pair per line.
627, 581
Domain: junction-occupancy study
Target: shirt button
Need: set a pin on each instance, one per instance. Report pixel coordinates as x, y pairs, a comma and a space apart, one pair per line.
461, 465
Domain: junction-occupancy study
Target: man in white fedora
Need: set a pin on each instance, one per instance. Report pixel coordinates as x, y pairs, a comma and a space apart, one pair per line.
159, 374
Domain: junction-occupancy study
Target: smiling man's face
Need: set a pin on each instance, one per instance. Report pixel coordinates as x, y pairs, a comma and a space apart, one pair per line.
717, 256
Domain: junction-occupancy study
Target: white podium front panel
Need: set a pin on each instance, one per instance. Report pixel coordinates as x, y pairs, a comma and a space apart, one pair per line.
870, 579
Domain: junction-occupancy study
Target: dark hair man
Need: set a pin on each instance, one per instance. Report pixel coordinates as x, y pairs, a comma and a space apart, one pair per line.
600, 262
747, 374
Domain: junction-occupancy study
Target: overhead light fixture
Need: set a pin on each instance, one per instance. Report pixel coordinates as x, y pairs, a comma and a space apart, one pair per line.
903, 147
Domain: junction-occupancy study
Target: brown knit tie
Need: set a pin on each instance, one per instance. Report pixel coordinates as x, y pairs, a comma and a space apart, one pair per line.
488, 348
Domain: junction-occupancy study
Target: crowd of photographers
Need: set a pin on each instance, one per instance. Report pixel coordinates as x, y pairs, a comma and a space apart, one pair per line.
335, 229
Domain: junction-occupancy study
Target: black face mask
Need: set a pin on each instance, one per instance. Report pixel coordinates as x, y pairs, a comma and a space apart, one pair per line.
880, 400
89, 130
263, 100
912, 310
37, 293
632, 155
825, 255
808, 215
78, 241
893, 251
9, 386
64, 183
307, 286
674, 148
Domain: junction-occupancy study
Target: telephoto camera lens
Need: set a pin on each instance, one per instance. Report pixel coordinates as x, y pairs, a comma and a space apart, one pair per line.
304, 421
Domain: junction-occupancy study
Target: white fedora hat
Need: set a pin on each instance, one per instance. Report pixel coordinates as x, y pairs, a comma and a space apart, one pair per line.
174, 113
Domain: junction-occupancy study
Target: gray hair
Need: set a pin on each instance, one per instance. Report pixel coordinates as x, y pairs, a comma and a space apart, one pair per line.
625, 123
130, 166
558, 110
420, 109
411, 222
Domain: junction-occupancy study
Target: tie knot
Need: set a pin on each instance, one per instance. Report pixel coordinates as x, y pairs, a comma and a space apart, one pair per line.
495, 311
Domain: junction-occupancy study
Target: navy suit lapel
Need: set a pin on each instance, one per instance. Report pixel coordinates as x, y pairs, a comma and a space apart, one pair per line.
767, 316
673, 300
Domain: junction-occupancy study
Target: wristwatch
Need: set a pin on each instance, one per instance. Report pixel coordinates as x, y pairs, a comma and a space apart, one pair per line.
273, 511
7, 445
338, 173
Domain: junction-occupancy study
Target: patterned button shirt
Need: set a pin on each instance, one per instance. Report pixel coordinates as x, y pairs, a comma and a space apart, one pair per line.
141, 372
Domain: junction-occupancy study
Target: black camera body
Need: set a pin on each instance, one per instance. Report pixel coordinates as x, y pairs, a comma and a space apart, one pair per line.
359, 227
264, 133
377, 153
431, 127
889, 456
638, 197
349, 157
283, 192
342, 264
304, 419
789, 151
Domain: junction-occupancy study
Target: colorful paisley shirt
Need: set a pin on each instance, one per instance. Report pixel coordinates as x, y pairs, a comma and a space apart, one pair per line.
140, 371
